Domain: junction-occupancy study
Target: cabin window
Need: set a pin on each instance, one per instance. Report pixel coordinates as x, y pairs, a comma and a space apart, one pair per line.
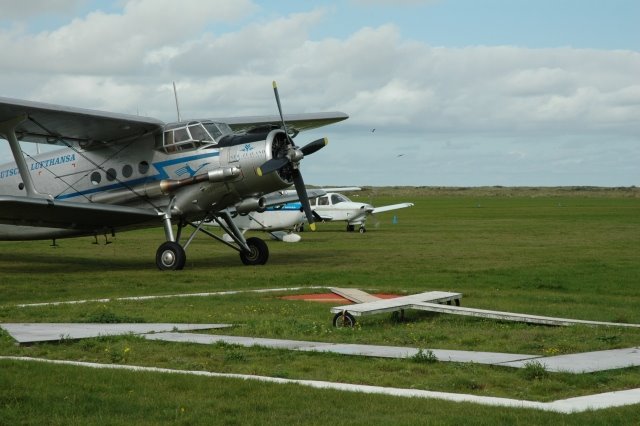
143, 167
337, 198
95, 178
323, 201
127, 171
111, 175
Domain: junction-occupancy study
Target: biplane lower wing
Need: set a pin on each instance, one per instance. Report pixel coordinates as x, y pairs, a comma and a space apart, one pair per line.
86, 218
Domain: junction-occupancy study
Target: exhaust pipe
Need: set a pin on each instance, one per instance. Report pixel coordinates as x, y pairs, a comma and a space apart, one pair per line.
251, 204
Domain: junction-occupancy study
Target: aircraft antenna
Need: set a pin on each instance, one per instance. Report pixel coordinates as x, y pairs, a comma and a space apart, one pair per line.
175, 94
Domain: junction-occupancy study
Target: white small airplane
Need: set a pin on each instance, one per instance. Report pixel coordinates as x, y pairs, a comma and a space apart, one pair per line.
119, 172
337, 207
283, 215
282, 220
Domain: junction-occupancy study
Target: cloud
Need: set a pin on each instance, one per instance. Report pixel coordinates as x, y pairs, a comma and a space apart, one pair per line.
19, 10
224, 55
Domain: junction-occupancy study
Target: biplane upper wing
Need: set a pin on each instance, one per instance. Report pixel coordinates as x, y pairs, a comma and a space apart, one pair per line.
42, 212
48, 123
295, 122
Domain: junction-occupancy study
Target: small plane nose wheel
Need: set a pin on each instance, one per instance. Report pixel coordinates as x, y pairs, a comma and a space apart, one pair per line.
343, 319
259, 253
170, 256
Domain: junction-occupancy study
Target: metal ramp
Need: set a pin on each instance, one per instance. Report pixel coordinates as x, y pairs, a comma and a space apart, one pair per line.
344, 315
439, 301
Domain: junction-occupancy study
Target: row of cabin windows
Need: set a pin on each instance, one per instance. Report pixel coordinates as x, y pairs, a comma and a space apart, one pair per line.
127, 171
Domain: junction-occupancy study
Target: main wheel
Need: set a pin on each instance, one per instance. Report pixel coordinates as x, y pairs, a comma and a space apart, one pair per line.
343, 319
362, 230
259, 253
170, 256
351, 228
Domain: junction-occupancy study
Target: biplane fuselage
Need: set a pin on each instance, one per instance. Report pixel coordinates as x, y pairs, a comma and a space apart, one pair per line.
120, 172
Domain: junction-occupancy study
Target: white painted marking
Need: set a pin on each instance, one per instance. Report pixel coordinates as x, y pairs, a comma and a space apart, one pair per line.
167, 296
571, 405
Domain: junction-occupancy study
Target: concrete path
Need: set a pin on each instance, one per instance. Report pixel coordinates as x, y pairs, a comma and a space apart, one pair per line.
588, 362
341, 348
575, 363
46, 332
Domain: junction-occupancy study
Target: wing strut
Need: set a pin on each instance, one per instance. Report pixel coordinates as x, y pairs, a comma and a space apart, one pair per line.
8, 129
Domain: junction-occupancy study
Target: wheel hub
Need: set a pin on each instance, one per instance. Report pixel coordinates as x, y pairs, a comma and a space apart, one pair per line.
168, 258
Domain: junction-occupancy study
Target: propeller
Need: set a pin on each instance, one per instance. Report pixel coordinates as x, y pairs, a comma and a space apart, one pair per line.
292, 155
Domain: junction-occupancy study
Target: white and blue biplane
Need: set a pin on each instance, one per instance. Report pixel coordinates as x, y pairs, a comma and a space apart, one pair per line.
118, 172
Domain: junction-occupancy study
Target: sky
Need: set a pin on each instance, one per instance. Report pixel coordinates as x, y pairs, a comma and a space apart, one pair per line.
459, 92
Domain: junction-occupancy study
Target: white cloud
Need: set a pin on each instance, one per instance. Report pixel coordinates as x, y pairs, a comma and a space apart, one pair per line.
25, 9
413, 93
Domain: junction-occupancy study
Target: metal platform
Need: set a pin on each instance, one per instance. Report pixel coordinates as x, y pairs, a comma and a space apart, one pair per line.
439, 301
344, 315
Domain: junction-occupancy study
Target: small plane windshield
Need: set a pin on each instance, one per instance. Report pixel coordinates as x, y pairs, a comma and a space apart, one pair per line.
338, 198
191, 135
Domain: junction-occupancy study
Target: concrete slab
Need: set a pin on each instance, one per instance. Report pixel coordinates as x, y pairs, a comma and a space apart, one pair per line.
45, 332
576, 363
588, 362
209, 339
343, 348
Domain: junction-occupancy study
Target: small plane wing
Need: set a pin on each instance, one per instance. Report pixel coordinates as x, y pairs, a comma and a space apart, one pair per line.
42, 212
48, 123
295, 122
391, 207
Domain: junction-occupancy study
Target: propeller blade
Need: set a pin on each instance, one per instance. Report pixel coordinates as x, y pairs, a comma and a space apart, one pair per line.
314, 146
304, 199
272, 165
275, 92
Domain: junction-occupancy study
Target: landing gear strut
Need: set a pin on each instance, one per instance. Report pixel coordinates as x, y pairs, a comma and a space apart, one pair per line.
171, 254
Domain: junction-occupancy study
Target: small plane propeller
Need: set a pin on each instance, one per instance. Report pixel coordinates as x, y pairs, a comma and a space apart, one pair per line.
292, 154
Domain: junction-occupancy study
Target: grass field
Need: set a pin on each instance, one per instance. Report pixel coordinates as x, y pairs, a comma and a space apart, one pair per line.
567, 252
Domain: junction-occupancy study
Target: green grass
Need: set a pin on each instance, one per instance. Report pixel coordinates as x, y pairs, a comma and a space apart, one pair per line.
557, 252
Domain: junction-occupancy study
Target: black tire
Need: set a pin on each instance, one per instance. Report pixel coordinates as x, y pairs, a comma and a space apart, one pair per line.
170, 256
362, 230
351, 228
343, 319
259, 253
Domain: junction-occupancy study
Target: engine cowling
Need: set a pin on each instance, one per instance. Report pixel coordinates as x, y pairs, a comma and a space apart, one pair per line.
250, 151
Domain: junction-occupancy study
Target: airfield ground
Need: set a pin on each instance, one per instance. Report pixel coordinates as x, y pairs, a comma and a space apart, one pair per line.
564, 252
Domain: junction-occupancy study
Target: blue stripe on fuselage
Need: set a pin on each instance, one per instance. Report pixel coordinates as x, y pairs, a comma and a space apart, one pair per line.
159, 166
288, 207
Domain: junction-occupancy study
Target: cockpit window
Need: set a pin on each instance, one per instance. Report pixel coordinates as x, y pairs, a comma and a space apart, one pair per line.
338, 198
199, 134
192, 135
323, 201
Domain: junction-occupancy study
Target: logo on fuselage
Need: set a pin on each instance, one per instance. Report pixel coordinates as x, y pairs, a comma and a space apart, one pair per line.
187, 170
